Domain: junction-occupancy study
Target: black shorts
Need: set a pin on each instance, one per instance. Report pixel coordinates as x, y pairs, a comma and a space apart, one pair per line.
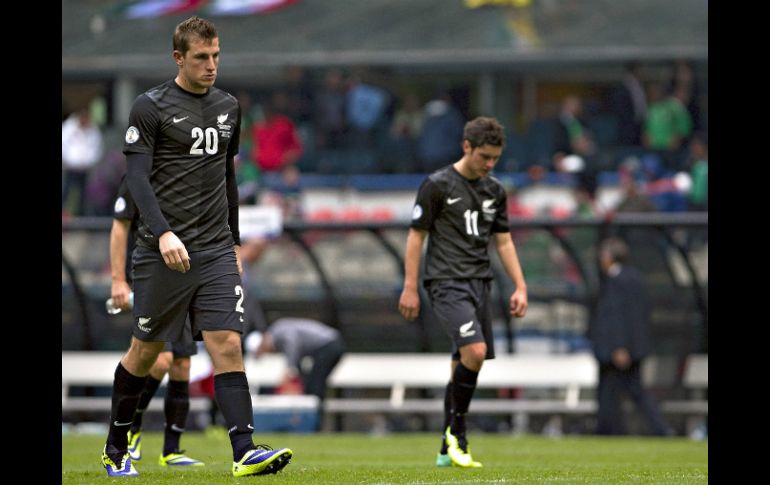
185, 347
462, 307
210, 292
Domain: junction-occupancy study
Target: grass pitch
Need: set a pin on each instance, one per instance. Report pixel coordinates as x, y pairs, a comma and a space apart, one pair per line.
410, 459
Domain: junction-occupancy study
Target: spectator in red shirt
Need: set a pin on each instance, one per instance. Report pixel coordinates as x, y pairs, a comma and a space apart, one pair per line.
276, 140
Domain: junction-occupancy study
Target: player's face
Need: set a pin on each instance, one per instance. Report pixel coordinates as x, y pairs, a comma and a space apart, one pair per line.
198, 67
481, 160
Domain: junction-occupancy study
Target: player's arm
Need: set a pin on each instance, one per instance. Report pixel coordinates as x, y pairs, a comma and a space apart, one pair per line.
409, 303
426, 208
510, 259
139, 147
172, 249
118, 248
232, 209
232, 192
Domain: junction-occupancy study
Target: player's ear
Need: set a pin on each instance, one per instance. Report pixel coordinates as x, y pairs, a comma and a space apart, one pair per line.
466, 146
178, 57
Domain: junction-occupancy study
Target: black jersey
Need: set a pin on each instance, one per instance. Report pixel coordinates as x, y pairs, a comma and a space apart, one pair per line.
460, 215
189, 137
126, 209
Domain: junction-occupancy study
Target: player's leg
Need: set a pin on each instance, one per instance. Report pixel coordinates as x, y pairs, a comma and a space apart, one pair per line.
464, 378
177, 404
158, 370
217, 314
160, 307
130, 377
442, 459
458, 305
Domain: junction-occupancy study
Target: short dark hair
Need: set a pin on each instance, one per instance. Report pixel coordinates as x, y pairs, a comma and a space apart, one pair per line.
484, 131
615, 248
193, 27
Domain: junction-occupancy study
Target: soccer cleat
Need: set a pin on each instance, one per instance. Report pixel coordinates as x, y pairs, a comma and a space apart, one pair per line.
473, 463
459, 456
262, 460
443, 460
178, 459
116, 465
135, 445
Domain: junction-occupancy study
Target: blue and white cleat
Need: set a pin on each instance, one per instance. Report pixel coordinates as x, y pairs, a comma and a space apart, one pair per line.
114, 469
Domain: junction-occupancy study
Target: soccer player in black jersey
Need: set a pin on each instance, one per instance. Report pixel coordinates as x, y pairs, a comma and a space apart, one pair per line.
461, 207
180, 147
175, 358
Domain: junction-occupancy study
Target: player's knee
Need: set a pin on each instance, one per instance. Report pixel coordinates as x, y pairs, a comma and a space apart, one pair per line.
161, 365
180, 369
472, 356
145, 352
229, 348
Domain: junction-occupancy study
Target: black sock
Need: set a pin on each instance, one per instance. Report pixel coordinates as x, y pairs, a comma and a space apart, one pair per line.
464, 383
150, 388
125, 394
176, 406
447, 415
234, 400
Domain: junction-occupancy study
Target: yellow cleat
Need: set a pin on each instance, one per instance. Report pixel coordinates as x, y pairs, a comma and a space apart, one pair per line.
262, 460
456, 454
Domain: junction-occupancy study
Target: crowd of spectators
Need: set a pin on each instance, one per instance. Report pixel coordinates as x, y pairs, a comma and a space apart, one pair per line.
651, 131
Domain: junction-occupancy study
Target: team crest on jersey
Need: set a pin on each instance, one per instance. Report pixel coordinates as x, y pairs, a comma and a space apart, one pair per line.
224, 130
417, 212
120, 205
488, 210
132, 134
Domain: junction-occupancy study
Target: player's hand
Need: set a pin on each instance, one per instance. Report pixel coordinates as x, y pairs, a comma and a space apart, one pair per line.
409, 304
120, 292
237, 250
174, 252
519, 303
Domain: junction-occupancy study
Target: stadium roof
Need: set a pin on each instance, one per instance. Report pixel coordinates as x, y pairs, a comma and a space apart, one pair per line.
98, 37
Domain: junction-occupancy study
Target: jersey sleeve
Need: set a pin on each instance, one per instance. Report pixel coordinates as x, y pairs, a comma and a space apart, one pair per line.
500, 224
233, 144
427, 206
143, 125
124, 208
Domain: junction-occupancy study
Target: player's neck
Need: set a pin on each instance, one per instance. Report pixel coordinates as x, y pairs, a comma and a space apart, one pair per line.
462, 168
185, 86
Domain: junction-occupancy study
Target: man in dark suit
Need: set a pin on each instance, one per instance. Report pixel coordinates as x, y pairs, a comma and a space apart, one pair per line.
621, 340
629, 104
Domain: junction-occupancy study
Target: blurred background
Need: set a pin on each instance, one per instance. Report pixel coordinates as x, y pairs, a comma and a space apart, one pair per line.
605, 105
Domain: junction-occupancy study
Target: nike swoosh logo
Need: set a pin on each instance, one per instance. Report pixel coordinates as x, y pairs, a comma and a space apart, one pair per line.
452, 201
176, 428
250, 427
121, 424
177, 120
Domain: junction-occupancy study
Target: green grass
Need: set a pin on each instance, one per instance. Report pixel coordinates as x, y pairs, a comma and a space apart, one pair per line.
409, 459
